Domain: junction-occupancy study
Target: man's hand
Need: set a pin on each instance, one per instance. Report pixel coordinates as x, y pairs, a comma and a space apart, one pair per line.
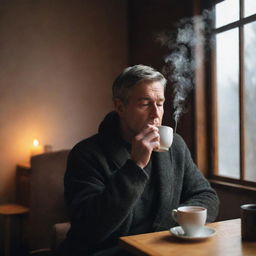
143, 144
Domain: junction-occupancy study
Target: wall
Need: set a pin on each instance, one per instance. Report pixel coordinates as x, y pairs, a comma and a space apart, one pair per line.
58, 60
231, 198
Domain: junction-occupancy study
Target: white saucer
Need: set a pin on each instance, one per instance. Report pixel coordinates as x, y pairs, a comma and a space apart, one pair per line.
206, 233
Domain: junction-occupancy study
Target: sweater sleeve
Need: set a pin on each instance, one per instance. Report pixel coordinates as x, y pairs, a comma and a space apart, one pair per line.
100, 202
196, 189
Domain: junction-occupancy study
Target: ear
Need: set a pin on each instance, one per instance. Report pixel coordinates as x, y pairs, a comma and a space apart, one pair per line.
119, 106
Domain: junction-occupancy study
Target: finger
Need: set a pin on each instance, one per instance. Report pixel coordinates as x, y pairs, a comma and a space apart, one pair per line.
147, 130
156, 145
150, 141
152, 136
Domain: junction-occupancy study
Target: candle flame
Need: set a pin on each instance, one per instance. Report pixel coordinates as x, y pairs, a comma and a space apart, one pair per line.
35, 143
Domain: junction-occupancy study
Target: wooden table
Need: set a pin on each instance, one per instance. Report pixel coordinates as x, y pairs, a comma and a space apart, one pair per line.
227, 242
8, 211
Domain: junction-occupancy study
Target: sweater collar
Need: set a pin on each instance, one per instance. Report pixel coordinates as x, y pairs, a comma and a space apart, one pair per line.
115, 147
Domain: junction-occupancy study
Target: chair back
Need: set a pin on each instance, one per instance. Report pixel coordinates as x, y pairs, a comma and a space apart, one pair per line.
47, 205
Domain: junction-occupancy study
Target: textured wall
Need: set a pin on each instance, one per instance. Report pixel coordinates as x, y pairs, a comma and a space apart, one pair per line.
57, 62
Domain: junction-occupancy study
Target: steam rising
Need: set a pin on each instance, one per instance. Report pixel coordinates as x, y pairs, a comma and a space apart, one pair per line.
180, 65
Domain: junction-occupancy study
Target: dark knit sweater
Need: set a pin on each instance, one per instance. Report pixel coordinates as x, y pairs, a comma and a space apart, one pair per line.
104, 191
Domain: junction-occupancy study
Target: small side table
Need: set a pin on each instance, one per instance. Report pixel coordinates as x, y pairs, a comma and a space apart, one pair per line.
8, 211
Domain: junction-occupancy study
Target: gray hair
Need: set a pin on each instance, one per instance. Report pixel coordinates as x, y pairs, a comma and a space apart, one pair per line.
132, 76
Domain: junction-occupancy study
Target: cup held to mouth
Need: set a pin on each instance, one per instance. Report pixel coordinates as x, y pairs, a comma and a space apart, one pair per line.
166, 138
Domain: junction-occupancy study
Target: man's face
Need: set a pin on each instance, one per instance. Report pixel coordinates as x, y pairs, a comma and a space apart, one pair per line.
145, 106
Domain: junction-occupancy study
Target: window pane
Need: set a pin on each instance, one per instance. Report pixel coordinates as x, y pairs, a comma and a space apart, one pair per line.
228, 103
250, 100
227, 12
249, 7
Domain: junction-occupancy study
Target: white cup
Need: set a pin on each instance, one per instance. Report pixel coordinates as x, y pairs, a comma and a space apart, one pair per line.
166, 138
191, 218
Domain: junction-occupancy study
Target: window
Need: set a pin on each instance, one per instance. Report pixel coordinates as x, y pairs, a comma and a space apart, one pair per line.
234, 92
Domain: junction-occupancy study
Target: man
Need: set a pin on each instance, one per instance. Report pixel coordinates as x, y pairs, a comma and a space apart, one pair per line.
116, 184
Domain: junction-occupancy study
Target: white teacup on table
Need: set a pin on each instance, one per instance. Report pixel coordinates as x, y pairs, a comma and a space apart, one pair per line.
191, 219
166, 138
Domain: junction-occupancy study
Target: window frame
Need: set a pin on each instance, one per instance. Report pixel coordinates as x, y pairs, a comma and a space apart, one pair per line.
206, 151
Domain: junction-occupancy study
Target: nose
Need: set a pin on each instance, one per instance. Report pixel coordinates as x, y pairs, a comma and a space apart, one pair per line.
155, 112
